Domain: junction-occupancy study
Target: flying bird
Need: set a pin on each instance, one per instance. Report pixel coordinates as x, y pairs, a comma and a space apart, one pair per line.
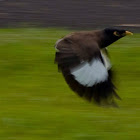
83, 59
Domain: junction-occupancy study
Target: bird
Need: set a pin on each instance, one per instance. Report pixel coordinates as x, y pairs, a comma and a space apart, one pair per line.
83, 59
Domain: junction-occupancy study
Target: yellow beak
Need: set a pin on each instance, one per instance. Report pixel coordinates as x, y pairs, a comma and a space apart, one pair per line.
128, 33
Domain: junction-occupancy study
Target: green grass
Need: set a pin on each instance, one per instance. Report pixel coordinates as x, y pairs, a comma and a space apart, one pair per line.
37, 104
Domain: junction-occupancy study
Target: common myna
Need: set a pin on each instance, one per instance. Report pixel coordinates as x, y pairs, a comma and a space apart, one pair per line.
83, 59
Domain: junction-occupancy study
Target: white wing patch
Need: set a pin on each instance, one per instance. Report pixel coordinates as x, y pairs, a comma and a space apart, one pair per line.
89, 74
106, 60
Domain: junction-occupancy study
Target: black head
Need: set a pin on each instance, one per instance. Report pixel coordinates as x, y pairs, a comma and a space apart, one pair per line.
112, 34
119, 33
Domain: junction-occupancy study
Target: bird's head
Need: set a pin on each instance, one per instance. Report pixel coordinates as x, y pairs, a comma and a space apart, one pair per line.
112, 34
118, 33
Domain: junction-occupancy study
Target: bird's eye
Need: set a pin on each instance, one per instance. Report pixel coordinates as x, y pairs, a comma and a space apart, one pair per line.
116, 33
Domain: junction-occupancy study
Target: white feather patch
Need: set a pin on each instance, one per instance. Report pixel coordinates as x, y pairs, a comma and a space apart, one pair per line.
89, 74
106, 60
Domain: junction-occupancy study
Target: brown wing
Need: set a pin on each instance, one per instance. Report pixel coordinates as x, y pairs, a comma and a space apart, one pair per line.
74, 51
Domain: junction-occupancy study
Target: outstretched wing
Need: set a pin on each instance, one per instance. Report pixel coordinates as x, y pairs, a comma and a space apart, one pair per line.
85, 71
71, 53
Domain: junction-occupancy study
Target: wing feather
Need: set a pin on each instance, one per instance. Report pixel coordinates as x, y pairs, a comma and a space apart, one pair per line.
85, 70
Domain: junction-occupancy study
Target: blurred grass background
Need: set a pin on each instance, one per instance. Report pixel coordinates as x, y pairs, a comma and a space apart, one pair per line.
37, 104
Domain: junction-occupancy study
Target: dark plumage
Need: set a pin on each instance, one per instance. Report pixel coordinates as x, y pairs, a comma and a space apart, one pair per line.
83, 59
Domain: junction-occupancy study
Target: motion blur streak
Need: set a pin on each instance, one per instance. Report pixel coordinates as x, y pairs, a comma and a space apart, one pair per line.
70, 13
35, 102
